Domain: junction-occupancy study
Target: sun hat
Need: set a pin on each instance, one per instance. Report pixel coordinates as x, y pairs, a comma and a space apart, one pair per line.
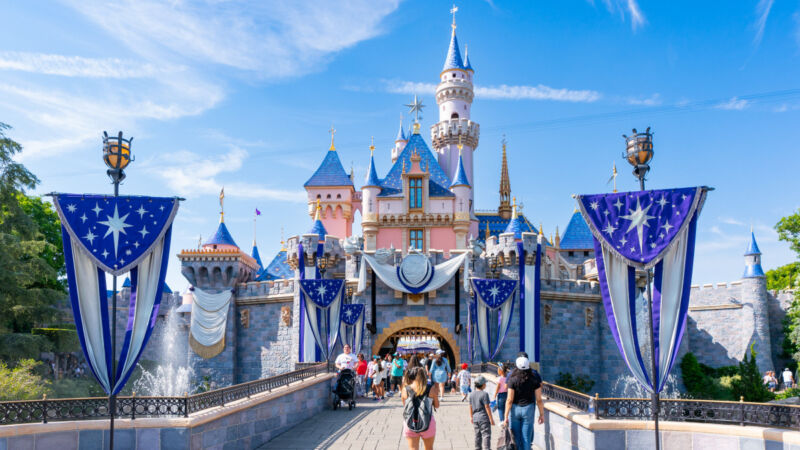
523, 363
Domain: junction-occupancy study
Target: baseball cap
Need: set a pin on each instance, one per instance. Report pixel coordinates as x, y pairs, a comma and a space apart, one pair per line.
480, 381
439, 352
464, 365
523, 363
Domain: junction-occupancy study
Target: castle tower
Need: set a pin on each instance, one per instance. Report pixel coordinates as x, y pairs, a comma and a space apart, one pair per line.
399, 142
369, 197
333, 188
461, 217
454, 96
754, 293
504, 210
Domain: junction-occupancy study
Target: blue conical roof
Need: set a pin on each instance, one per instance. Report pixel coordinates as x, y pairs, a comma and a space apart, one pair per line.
752, 249
319, 229
453, 60
467, 65
127, 284
401, 135
372, 175
277, 269
577, 236
330, 172
516, 226
461, 176
221, 237
257, 257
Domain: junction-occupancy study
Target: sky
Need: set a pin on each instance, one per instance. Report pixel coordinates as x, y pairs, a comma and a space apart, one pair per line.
241, 94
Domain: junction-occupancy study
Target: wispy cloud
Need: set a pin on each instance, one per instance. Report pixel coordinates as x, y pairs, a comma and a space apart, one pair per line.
762, 11
190, 174
653, 100
625, 8
734, 104
731, 221
502, 92
78, 66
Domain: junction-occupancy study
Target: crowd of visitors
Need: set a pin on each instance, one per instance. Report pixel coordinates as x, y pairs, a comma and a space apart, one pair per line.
422, 380
787, 380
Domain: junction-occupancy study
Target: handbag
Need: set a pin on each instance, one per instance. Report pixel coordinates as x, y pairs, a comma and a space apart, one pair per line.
506, 440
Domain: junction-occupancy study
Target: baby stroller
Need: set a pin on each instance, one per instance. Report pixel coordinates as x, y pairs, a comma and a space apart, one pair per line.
345, 389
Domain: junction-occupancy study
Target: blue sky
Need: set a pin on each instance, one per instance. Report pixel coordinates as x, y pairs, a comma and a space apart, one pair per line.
242, 94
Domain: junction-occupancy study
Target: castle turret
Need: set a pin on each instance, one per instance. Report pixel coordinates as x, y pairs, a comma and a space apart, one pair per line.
461, 217
399, 142
754, 294
333, 188
504, 210
369, 198
454, 96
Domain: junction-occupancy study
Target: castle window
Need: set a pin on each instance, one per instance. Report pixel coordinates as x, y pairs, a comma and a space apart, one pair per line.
454, 116
329, 196
338, 195
415, 239
570, 253
415, 193
586, 253
319, 196
454, 75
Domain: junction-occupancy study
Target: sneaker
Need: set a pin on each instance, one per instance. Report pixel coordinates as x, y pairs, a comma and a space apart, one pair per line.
375, 399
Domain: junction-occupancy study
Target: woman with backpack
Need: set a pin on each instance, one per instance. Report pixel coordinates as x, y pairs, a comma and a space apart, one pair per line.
524, 396
419, 401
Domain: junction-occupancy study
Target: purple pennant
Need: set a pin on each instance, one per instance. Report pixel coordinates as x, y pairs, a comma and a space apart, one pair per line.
351, 313
639, 226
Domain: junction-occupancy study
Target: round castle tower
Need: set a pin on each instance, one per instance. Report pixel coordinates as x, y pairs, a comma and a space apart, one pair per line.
754, 293
454, 96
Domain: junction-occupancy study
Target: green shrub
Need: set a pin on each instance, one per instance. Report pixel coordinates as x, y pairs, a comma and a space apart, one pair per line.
578, 383
63, 340
750, 384
788, 393
704, 382
22, 382
77, 388
17, 346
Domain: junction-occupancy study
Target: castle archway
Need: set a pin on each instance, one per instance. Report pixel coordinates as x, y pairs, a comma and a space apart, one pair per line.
409, 326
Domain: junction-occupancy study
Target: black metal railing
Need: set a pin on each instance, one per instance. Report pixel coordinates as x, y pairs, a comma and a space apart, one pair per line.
676, 410
52, 410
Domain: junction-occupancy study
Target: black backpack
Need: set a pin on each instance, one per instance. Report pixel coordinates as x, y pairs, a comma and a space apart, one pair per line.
418, 410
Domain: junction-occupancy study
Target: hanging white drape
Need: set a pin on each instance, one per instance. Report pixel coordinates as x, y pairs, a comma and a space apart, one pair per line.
209, 319
442, 273
323, 310
495, 303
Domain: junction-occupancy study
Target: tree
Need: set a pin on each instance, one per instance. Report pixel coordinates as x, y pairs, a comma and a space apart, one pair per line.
784, 277
749, 383
22, 382
29, 262
788, 229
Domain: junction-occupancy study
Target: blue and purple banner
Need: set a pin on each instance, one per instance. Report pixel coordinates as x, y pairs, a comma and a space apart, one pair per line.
323, 302
353, 326
494, 304
644, 230
114, 235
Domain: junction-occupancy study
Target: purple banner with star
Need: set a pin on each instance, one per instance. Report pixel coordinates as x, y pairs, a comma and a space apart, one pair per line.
352, 326
494, 305
115, 235
323, 303
645, 230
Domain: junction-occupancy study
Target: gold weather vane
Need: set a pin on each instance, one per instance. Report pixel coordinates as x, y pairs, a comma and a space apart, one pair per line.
283, 241
316, 214
371, 145
453, 11
332, 131
613, 177
222, 205
460, 145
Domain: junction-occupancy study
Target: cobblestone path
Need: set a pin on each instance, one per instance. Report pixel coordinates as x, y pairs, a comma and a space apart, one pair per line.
379, 425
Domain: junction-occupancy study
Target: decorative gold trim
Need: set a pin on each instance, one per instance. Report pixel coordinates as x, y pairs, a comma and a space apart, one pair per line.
207, 352
716, 307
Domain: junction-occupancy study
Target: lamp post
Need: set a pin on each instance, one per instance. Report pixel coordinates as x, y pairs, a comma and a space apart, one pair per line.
639, 153
322, 265
117, 156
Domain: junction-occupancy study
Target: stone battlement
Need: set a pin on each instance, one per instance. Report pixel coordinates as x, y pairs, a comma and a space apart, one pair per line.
283, 288
448, 132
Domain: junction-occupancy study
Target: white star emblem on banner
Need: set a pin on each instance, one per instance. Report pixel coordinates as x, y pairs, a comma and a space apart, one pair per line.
116, 225
321, 290
638, 218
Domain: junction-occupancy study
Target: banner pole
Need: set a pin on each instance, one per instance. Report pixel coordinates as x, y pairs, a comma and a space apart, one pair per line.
654, 397
112, 398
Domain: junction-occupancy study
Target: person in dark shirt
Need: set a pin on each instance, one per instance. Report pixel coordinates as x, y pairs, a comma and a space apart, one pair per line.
524, 391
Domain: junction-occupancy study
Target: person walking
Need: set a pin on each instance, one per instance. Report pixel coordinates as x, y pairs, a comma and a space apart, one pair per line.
361, 375
464, 381
440, 373
480, 415
379, 376
501, 392
387, 366
419, 401
398, 368
524, 390
345, 360
375, 361
788, 379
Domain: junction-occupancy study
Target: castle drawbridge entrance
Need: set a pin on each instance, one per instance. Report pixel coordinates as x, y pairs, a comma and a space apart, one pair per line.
416, 335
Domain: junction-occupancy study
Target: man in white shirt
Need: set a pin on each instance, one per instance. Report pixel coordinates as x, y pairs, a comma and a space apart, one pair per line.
346, 360
788, 379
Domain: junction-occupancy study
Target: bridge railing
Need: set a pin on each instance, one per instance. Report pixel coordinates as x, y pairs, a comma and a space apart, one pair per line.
677, 410
52, 410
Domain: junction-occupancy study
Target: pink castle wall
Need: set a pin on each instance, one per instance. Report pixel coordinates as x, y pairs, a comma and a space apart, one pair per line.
390, 236
442, 239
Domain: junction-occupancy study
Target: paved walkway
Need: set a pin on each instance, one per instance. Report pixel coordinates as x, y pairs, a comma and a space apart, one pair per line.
379, 425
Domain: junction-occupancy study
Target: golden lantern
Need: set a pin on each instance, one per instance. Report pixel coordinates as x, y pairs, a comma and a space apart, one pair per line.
116, 151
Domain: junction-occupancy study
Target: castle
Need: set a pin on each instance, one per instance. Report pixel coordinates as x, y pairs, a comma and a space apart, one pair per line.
424, 205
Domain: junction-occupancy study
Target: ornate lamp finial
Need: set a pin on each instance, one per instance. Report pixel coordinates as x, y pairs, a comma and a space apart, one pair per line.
371, 145
332, 131
541, 233
222, 205
317, 213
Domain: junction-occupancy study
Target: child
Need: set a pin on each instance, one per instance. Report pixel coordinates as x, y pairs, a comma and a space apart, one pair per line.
480, 414
377, 381
453, 383
464, 380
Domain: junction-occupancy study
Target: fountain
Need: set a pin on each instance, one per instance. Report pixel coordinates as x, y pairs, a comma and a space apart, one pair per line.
172, 377
626, 386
